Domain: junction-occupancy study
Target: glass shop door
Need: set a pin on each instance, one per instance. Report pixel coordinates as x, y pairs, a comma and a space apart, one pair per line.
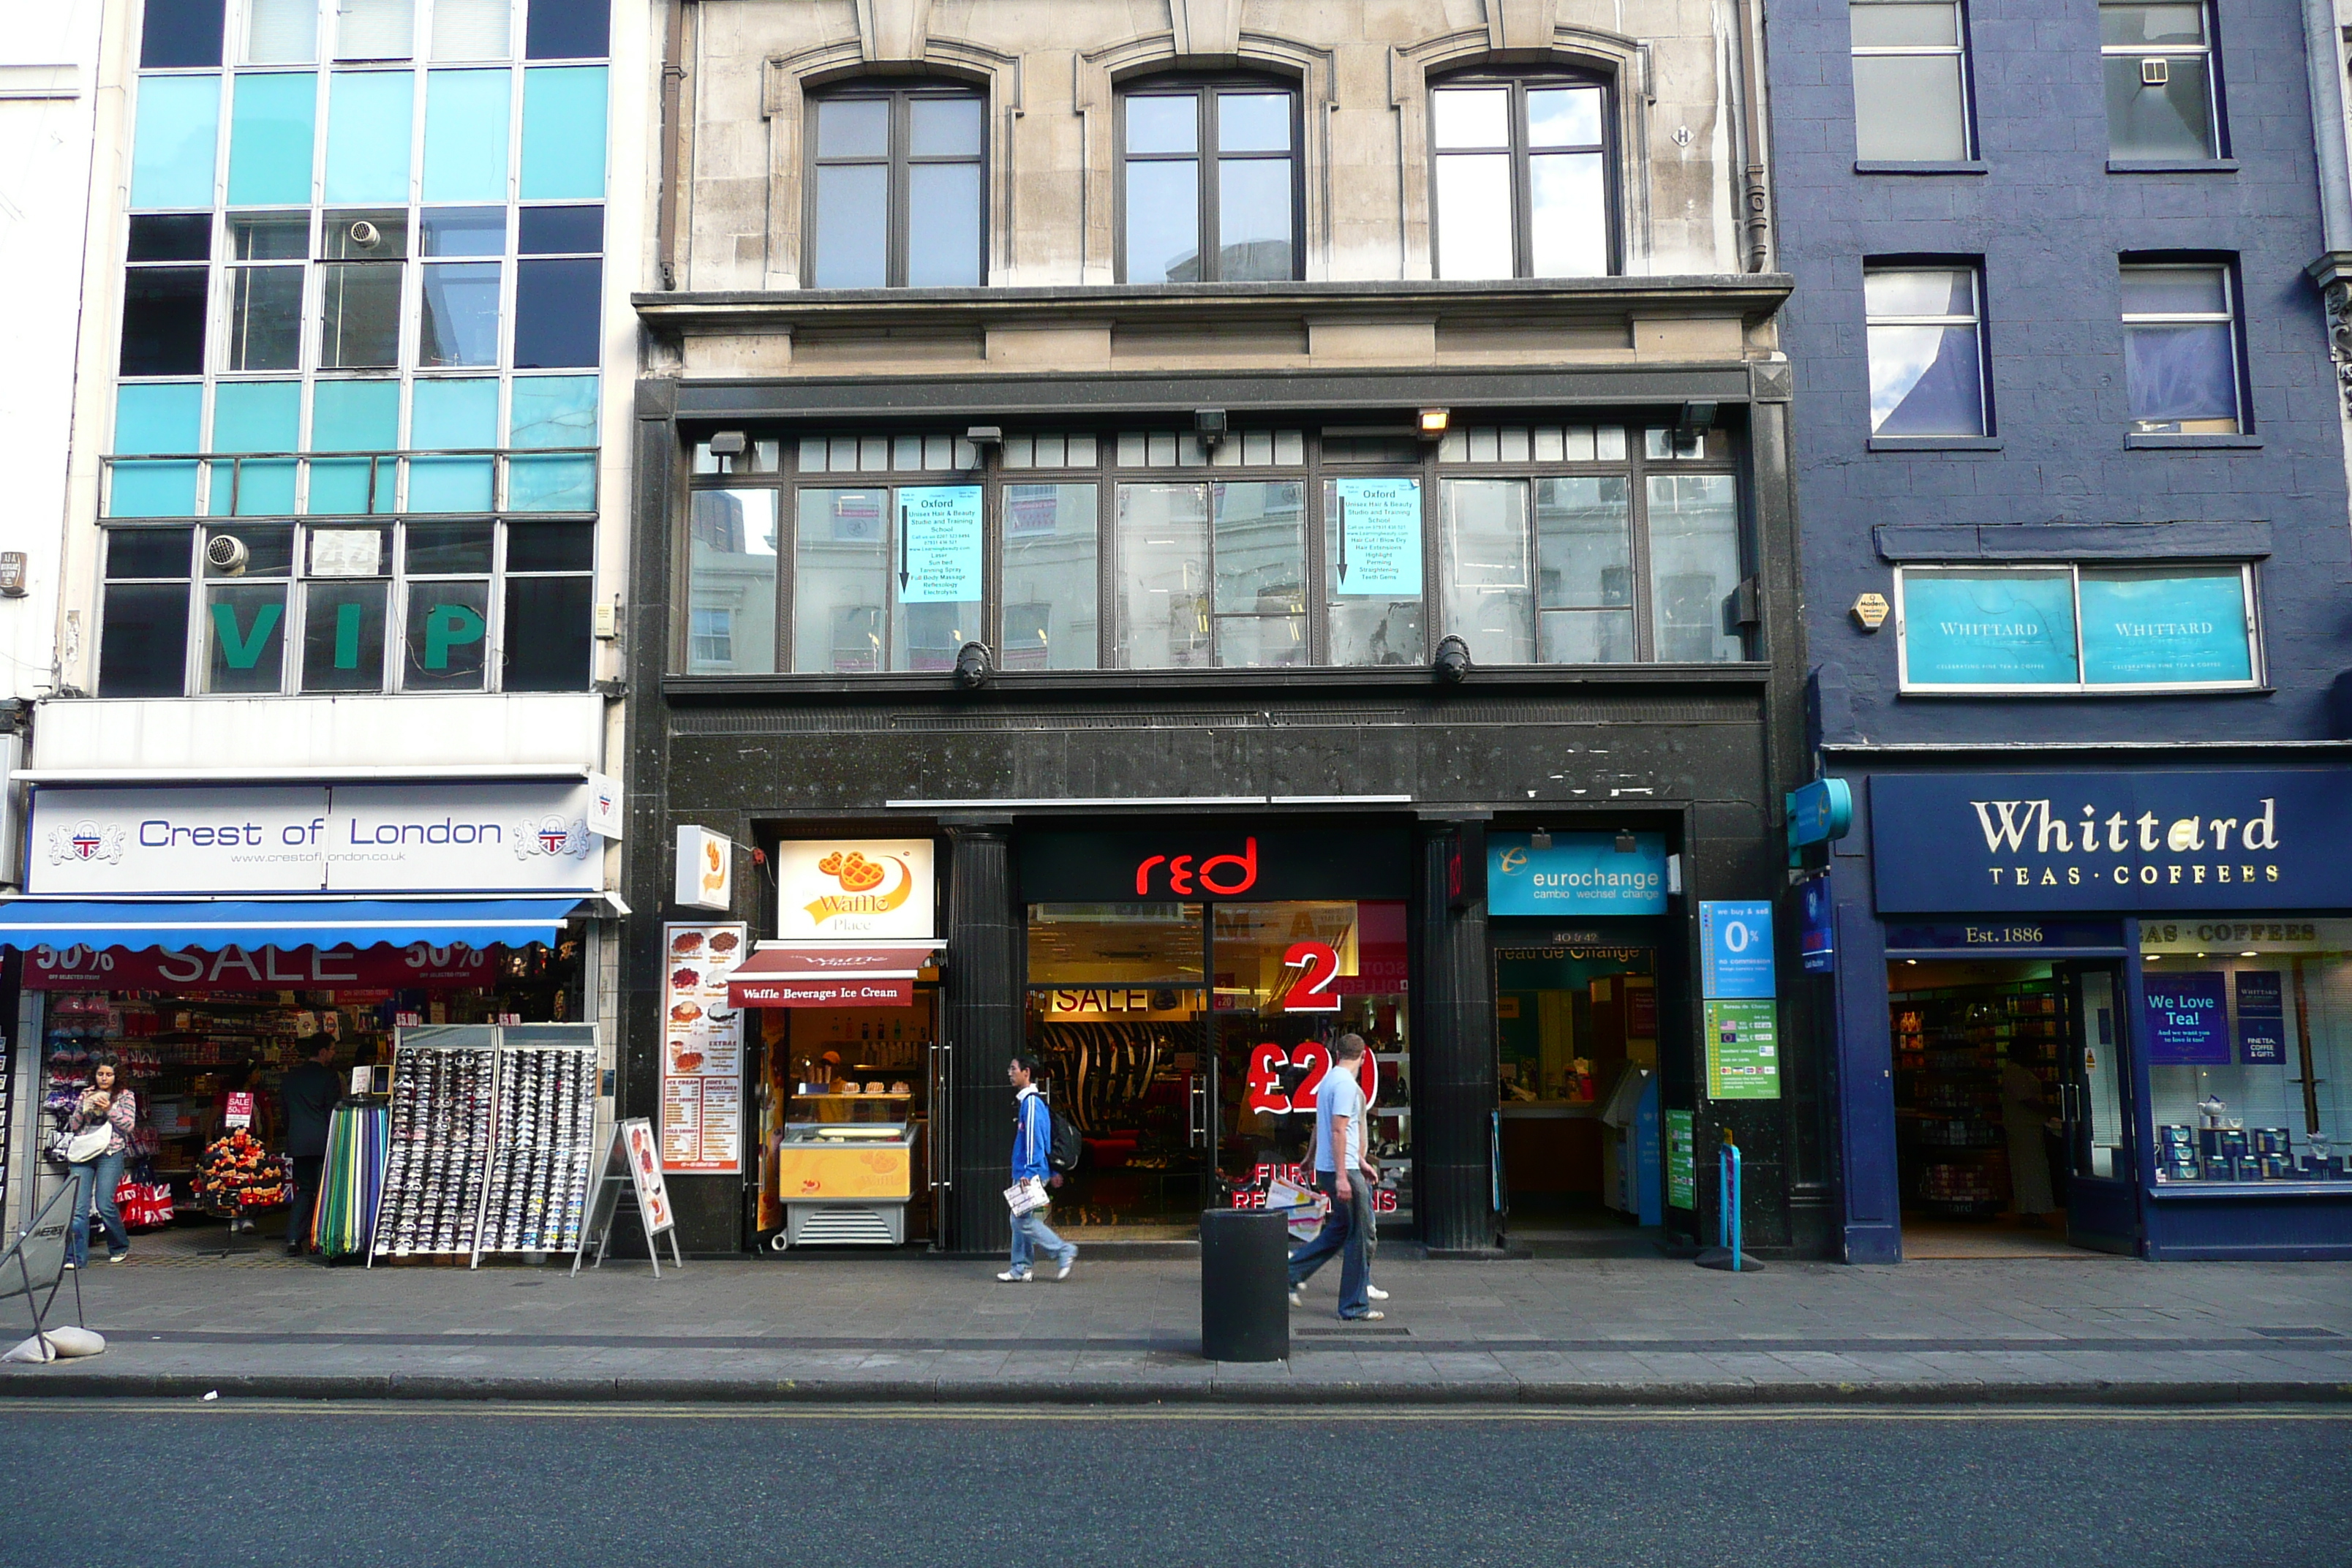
2102, 1197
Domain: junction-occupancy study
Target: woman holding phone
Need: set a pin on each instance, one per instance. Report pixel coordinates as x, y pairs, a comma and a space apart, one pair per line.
107, 1103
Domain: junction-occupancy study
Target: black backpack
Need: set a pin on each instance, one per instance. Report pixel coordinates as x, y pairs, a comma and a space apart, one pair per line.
1063, 1147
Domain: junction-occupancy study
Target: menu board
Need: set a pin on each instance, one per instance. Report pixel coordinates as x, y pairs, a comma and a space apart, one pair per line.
703, 1048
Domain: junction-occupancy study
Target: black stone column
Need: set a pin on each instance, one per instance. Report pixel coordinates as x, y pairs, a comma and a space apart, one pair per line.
1453, 1063
984, 1023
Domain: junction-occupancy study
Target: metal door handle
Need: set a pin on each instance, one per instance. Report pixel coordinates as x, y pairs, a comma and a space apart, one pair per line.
1197, 1113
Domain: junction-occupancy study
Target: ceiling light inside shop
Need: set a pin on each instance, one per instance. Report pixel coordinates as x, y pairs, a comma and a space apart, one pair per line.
2250, 952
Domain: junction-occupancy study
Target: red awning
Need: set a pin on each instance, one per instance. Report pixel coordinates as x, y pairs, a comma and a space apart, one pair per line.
828, 975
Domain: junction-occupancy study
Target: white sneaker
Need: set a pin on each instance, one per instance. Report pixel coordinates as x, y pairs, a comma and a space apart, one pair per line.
1069, 1261
1376, 1293
1295, 1298
1013, 1276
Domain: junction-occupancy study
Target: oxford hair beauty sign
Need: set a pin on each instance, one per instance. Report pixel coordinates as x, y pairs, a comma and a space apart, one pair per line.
2040, 843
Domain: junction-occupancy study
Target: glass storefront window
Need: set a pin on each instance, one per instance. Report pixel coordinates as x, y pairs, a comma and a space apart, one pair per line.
1050, 617
2247, 1030
732, 592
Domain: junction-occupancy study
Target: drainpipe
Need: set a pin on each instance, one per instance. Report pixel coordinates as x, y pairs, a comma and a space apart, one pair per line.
673, 141
1756, 194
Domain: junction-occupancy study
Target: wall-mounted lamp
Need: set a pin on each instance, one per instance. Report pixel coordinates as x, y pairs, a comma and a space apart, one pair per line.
1433, 421
1696, 418
727, 444
1209, 423
12, 574
972, 665
1625, 841
1452, 660
1539, 839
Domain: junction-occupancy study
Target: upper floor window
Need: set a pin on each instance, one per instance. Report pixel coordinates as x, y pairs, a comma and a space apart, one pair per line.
894, 188
1522, 178
1210, 183
2162, 101
2180, 348
1552, 544
1910, 81
1927, 351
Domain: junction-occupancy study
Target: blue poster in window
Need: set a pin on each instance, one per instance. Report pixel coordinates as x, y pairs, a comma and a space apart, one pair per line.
1578, 874
2168, 626
1989, 628
1735, 944
940, 545
2186, 1020
1817, 932
2262, 1017
1376, 537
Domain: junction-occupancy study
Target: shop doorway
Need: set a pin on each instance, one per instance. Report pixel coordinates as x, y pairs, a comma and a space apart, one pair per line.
1186, 1041
2010, 1130
844, 1108
1576, 1026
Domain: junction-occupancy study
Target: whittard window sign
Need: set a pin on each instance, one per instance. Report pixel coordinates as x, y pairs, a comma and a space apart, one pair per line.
2029, 843
456, 836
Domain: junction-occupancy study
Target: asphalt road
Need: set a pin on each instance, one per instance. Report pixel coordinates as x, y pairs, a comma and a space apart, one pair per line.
701, 1488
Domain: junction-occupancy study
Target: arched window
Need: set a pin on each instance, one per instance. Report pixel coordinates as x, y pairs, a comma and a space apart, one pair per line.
1522, 177
1209, 182
895, 187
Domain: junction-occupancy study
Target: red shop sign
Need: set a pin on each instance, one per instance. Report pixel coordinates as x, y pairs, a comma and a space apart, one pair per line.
855, 993
419, 964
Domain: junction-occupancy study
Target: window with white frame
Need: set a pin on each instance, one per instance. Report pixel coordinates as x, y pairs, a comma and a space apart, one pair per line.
2163, 93
2181, 365
1925, 339
1910, 81
1521, 178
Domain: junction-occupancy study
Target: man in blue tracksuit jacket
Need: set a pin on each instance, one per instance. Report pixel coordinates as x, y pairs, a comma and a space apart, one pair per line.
1032, 1137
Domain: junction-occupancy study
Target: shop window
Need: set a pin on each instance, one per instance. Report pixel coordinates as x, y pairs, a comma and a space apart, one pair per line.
886, 579
1210, 183
158, 417
894, 188
268, 253
551, 411
1927, 351
1211, 574
173, 141
2247, 1029
2180, 348
255, 416
470, 606
1522, 181
2163, 98
459, 325
360, 289
1910, 81
163, 319
732, 583
178, 34
2062, 627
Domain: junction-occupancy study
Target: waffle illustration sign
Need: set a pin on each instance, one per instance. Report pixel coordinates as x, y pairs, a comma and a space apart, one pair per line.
854, 890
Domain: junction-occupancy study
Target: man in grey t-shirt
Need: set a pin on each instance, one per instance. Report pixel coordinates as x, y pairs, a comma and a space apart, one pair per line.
1339, 1175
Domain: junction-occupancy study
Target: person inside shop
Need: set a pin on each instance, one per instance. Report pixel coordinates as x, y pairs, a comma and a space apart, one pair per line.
309, 1092
1340, 1155
2021, 1119
107, 1107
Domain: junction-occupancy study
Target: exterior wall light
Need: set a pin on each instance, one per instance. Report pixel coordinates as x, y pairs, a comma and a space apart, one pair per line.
1452, 661
1433, 421
972, 665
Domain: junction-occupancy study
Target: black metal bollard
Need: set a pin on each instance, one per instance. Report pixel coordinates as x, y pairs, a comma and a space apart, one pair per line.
1245, 1285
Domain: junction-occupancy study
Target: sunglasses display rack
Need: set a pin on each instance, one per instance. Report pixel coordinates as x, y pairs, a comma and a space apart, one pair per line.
546, 1111
438, 1153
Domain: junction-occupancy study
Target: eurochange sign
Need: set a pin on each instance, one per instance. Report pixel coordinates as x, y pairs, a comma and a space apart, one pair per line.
2119, 842
529, 836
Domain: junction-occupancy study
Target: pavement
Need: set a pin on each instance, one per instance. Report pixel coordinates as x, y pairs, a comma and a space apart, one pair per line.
2071, 1329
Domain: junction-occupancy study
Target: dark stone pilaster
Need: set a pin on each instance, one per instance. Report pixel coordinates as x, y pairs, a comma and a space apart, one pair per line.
1453, 1064
984, 1023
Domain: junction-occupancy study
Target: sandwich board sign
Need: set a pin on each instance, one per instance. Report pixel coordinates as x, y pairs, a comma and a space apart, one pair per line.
637, 1149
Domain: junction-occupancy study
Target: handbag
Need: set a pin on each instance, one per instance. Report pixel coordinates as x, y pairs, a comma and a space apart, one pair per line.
1026, 1195
88, 1144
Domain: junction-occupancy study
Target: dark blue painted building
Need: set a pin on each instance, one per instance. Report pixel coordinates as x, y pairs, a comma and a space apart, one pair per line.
2070, 464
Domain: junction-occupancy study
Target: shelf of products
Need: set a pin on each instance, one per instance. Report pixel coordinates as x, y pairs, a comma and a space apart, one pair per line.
538, 1167
1950, 1047
438, 1151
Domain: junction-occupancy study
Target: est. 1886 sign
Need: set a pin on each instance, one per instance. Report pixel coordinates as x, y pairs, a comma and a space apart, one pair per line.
2035, 843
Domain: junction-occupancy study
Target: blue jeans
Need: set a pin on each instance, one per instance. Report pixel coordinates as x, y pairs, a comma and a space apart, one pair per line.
1032, 1234
1344, 1230
104, 1174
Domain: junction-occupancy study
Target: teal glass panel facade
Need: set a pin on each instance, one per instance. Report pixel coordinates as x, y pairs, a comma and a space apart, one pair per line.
466, 115
156, 418
354, 416
562, 133
173, 141
271, 122
369, 114
452, 414
553, 411
2165, 626
1989, 629
255, 416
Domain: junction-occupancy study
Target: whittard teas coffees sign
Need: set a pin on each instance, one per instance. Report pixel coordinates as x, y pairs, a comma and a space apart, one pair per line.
2029, 843
452, 837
